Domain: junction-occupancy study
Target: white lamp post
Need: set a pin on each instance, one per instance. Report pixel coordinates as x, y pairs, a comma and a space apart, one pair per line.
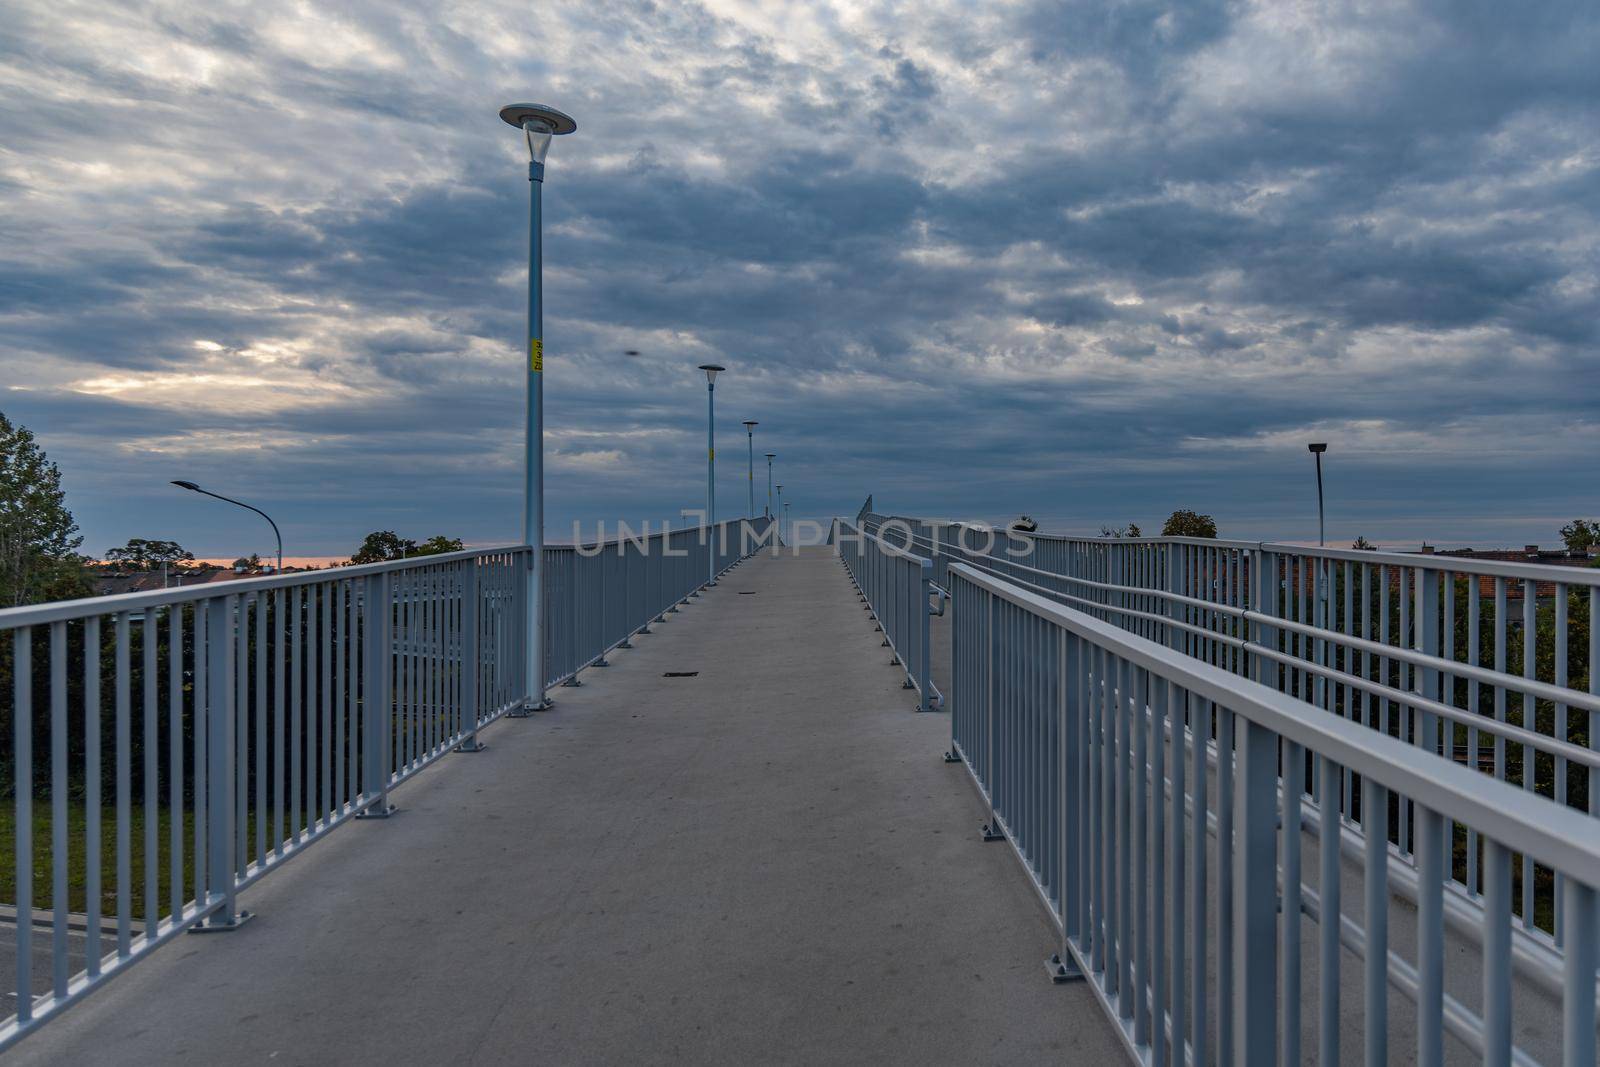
538, 124
712, 370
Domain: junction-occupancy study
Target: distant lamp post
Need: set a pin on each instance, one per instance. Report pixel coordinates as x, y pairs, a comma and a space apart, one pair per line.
712, 370
786, 515
778, 515
539, 124
770, 457
240, 503
750, 434
1317, 450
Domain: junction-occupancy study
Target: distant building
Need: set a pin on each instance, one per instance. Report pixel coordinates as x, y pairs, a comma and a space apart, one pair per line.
1549, 557
109, 582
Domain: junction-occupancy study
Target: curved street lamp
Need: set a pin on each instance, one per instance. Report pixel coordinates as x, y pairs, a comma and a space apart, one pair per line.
1317, 450
539, 124
240, 503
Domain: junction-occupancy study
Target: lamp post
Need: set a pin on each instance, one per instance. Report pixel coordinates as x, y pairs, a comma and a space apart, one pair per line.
240, 503
770, 457
750, 434
538, 125
777, 516
786, 514
712, 370
1317, 450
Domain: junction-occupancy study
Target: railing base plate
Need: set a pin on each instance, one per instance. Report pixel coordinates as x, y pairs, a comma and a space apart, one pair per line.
992, 832
471, 744
571, 683
526, 711
951, 757
377, 811
222, 926
1061, 970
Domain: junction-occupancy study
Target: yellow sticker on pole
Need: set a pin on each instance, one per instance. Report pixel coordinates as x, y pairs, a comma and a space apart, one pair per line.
536, 355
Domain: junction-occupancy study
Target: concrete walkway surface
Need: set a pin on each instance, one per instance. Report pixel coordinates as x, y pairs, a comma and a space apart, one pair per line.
764, 863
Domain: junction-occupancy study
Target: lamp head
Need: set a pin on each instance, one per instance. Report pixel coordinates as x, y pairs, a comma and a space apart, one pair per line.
771, 456
538, 124
1319, 448
750, 424
712, 370
186, 485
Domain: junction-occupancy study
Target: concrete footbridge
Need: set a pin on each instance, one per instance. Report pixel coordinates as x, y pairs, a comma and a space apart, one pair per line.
922, 794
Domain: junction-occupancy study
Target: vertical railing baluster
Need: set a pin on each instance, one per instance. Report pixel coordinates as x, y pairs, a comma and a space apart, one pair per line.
150, 722
58, 811
1328, 870
1497, 1020
175, 712
1288, 860
1375, 826
22, 740
220, 725
94, 849
1431, 874
280, 766
296, 709
124, 793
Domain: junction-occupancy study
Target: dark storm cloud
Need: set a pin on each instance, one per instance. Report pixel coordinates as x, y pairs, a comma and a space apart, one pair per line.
1089, 262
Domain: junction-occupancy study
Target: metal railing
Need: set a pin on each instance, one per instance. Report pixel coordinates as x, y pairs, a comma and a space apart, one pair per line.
625, 583
1100, 753
899, 591
175, 746
1420, 647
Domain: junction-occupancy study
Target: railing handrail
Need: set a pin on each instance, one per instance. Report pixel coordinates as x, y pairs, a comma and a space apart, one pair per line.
1573, 698
886, 545
63, 610
1557, 836
1436, 561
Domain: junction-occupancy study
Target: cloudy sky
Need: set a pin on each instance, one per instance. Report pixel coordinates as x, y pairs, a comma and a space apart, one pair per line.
1089, 261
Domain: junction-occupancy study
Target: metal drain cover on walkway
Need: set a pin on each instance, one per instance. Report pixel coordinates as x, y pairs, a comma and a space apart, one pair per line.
679, 674
747, 592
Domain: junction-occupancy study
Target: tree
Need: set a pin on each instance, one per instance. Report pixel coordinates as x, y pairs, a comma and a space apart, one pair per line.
1130, 530
1187, 523
1364, 545
1581, 534
142, 555
437, 545
383, 545
38, 537
250, 563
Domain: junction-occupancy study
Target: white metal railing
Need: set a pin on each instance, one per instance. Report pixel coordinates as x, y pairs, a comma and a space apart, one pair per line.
1100, 753
175, 746
1421, 647
897, 587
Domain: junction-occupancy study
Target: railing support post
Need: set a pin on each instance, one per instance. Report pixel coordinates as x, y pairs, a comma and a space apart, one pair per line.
377, 711
926, 593
1255, 994
469, 658
220, 710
